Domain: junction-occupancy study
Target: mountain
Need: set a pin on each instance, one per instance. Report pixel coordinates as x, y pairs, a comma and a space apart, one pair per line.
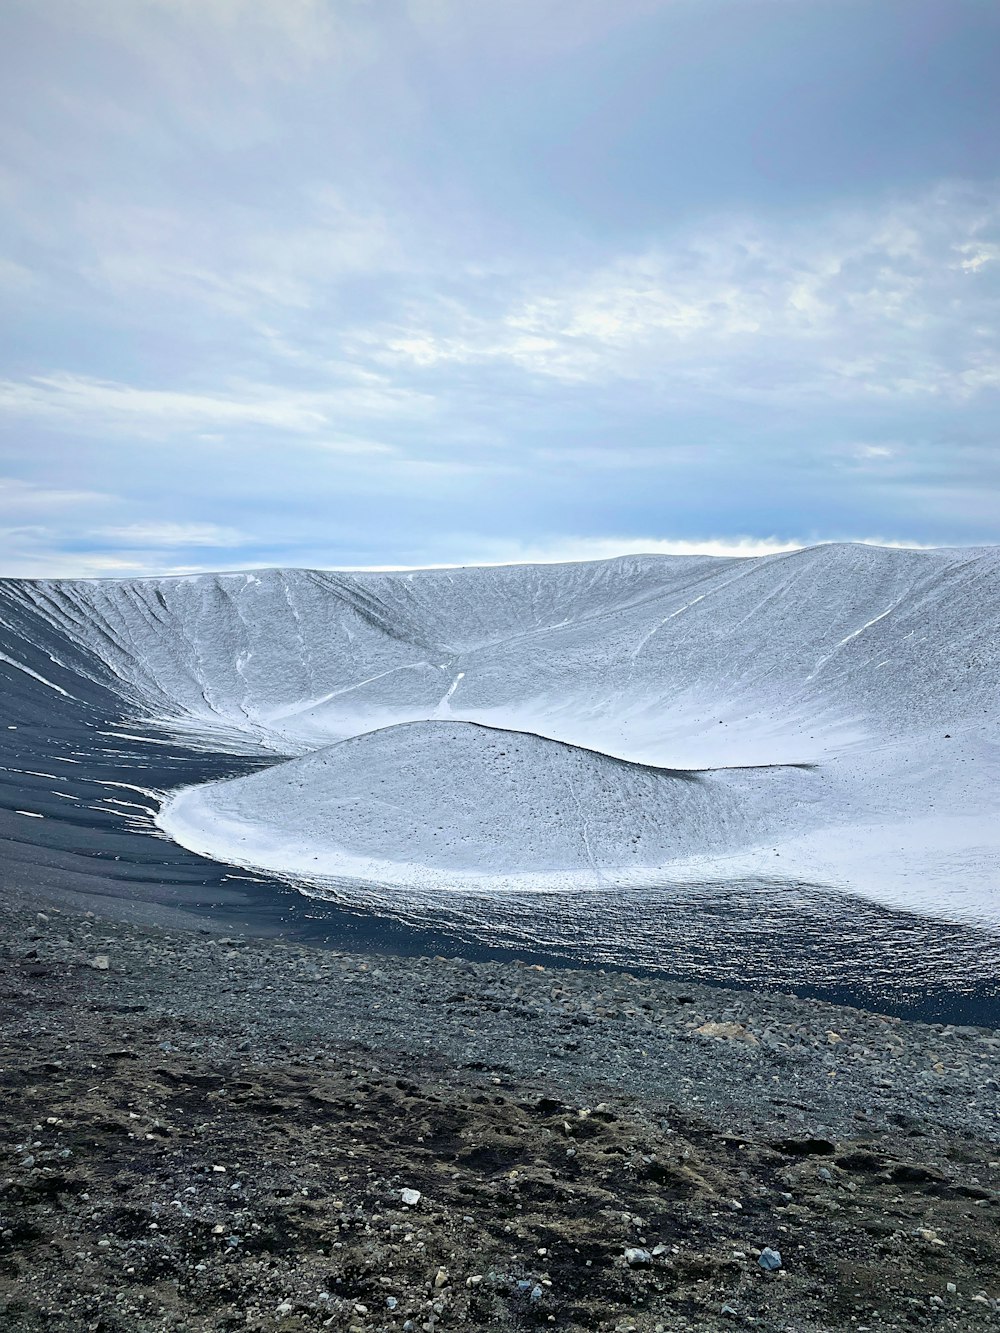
835, 712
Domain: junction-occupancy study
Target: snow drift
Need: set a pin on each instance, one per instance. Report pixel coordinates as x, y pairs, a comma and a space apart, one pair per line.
459, 804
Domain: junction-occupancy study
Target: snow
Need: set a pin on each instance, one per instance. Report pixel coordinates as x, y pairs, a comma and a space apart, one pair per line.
35, 675
390, 698
459, 805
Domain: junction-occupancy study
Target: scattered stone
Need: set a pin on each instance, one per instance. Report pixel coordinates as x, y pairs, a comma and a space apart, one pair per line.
728, 1032
769, 1259
357, 1083
638, 1258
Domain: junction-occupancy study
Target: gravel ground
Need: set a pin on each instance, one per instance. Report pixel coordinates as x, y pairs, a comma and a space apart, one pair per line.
206, 1132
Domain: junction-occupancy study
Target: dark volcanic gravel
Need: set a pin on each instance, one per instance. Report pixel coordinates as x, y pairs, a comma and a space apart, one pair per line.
203, 1132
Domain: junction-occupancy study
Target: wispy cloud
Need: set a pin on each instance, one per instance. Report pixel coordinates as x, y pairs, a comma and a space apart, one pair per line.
171, 534
896, 301
82, 403
52, 532
241, 263
18, 497
574, 550
48, 561
571, 549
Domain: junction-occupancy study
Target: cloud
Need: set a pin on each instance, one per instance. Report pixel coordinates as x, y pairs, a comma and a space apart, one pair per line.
178, 44
15, 279
69, 548
82, 403
40, 556
171, 534
47, 561
526, 30
240, 262
977, 254
564, 550
871, 451
350, 281
81, 400
59, 538
615, 456
855, 303
575, 550
19, 496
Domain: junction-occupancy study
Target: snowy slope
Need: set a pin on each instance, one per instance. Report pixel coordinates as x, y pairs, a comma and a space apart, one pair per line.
833, 636
881, 667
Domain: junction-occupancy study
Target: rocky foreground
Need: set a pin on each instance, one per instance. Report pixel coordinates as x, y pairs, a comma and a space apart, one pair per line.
203, 1133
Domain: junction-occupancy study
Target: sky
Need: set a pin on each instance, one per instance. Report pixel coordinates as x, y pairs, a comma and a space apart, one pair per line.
409, 282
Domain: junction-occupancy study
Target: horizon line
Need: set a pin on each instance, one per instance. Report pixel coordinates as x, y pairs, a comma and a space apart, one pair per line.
536, 562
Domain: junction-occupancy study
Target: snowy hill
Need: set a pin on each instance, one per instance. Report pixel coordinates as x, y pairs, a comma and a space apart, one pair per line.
472, 804
879, 667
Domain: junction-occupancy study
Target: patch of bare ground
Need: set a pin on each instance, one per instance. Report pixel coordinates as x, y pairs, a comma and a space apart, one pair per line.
158, 1170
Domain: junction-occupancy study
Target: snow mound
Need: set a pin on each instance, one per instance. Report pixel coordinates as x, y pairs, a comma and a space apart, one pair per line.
452, 804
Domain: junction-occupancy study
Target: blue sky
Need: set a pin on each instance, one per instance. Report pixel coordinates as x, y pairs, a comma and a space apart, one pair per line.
433, 281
